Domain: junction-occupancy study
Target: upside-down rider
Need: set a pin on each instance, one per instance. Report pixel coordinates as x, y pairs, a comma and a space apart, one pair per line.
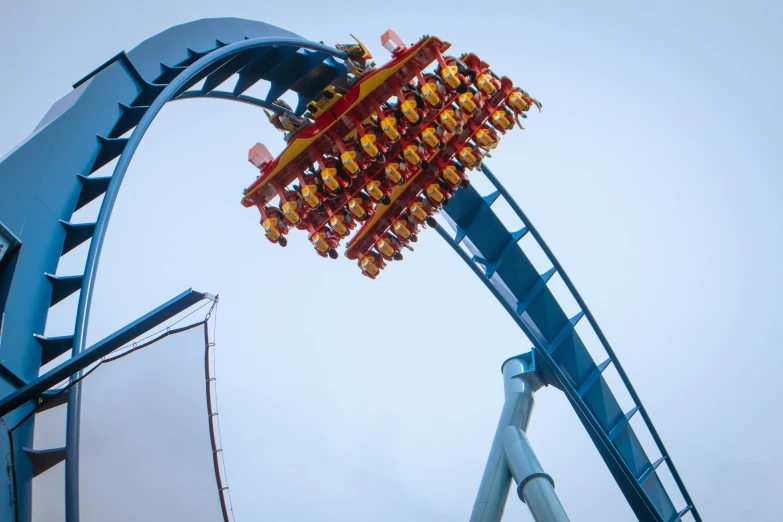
411, 108
361, 207
371, 264
342, 223
294, 209
458, 82
335, 179
432, 90
420, 213
405, 231
374, 142
274, 225
312, 191
389, 248
454, 176
326, 243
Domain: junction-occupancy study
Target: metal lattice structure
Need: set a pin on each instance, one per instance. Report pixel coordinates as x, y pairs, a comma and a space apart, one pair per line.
53, 173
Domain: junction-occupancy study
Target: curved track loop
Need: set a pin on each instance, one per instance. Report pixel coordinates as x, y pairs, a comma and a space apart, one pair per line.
188, 77
49, 176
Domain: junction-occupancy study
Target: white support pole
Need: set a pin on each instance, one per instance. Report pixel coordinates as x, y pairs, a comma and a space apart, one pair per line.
512, 456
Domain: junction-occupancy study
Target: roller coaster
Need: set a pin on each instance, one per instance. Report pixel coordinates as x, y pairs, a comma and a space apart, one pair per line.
393, 142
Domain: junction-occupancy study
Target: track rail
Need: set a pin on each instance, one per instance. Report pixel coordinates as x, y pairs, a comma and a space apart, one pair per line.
494, 255
83, 133
169, 92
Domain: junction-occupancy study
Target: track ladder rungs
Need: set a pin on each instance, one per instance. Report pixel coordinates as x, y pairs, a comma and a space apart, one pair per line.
110, 149
63, 287
593, 378
91, 188
167, 74
76, 234
130, 117
651, 469
622, 423
537, 288
43, 460
53, 347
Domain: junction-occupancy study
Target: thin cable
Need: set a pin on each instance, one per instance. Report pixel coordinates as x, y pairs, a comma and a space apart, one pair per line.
134, 346
213, 376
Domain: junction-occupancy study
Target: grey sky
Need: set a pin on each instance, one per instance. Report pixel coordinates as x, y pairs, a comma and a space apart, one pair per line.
653, 173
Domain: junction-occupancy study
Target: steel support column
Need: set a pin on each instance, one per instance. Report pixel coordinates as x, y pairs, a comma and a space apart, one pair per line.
512, 456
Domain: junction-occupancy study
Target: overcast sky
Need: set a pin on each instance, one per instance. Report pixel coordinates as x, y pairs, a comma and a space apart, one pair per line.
653, 173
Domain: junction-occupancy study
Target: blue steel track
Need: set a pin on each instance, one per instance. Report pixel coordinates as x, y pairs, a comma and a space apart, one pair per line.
50, 176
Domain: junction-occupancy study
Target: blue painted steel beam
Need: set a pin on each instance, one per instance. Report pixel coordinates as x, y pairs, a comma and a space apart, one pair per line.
130, 118
92, 187
43, 460
110, 149
11, 376
614, 432
52, 399
64, 286
35, 389
535, 291
121, 57
260, 67
567, 330
649, 471
76, 234
53, 347
167, 74
588, 384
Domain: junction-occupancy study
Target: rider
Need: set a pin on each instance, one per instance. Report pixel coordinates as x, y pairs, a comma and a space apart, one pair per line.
456, 74
311, 191
389, 248
454, 176
405, 230
373, 142
294, 210
379, 191
420, 212
342, 223
326, 243
334, 178
275, 227
486, 138
437, 194
361, 207
371, 264
358, 56
410, 107
432, 90
286, 121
